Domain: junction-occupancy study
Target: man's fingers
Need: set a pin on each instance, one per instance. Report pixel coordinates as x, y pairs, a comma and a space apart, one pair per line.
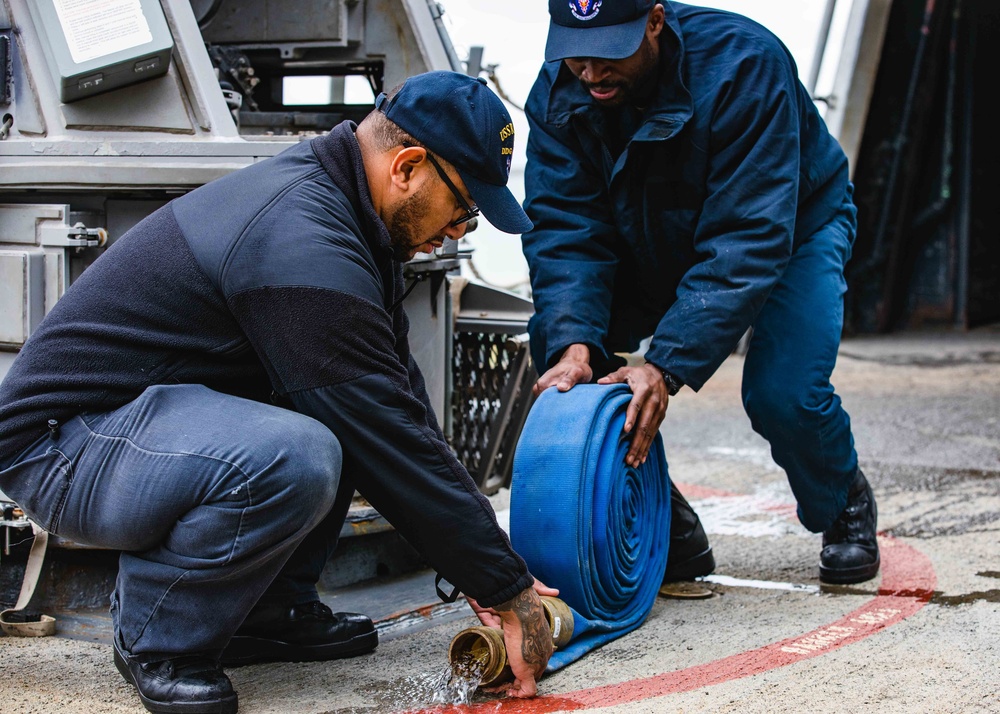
646, 408
617, 377
543, 589
523, 688
488, 619
632, 413
643, 403
487, 616
563, 376
649, 413
641, 440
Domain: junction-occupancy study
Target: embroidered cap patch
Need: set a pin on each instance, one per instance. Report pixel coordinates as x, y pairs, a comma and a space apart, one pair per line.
585, 9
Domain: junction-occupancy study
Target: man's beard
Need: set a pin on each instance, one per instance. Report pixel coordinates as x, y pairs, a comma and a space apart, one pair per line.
633, 88
401, 225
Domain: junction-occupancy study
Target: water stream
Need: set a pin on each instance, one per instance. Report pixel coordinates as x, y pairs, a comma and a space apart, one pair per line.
461, 679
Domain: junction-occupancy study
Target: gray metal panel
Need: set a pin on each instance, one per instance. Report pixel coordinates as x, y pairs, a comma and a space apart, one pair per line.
153, 104
102, 146
408, 41
430, 336
854, 81
188, 101
170, 110
25, 108
428, 36
6, 360
267, 21
18, 221
35, 271
5, 42
196, 71
487, 309
117, 172
122, 215
22, 293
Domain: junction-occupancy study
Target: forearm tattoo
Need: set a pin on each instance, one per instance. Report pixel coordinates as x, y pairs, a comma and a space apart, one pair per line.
536, 643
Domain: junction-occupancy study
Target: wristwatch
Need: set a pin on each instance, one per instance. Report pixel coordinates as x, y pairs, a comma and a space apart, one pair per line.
673, 384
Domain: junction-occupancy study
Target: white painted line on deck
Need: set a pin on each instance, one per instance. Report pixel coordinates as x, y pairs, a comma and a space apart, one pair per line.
760, 584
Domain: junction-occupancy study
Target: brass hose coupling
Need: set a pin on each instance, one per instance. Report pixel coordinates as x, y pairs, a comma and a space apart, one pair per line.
480, 651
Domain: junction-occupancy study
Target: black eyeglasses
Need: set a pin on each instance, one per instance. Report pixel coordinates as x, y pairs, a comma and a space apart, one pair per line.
470, 211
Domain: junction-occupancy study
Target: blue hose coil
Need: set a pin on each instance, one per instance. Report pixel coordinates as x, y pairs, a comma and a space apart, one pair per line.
583, 520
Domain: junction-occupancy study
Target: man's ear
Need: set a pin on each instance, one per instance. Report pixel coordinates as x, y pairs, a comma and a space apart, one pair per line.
657, 19
404, 165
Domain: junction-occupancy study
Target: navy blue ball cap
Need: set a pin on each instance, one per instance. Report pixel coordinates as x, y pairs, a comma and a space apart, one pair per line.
460, 119
609, 29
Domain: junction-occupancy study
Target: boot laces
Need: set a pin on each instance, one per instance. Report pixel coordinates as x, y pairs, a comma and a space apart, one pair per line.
315, 610
184, 666
850, 525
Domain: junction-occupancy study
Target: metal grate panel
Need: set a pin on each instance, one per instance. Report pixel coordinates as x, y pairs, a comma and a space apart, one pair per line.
491, 393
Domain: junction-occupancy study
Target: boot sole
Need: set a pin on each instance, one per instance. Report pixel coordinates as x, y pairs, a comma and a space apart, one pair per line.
849, 576
226, 705
244, 650
696, 567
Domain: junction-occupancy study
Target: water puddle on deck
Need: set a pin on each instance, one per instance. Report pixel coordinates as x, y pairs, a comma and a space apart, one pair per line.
453, 685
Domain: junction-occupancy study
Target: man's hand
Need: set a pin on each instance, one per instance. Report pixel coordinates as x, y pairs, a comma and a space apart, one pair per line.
491, 618
526, 635
647, 408
572, 368
528, 639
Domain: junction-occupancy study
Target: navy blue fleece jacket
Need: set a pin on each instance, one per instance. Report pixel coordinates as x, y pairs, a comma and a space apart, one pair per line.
274, 282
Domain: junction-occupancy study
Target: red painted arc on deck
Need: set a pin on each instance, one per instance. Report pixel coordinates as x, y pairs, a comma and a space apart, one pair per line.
908, 582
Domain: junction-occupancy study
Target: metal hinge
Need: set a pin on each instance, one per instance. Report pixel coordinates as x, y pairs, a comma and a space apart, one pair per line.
76, 236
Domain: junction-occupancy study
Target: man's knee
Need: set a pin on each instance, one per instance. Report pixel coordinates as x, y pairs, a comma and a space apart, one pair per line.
302, 469
777, 406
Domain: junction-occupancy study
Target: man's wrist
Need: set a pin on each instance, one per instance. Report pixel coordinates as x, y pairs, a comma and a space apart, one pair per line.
673, 383
577, 352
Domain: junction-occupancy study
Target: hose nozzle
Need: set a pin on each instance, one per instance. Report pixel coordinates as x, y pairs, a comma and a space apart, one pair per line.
480, 652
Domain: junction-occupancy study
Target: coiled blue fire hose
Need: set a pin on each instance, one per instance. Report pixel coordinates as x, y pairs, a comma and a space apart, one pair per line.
586, 522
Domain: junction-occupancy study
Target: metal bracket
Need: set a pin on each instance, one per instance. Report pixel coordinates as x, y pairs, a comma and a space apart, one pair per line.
4, 65
76, 236
437, 279
11, 517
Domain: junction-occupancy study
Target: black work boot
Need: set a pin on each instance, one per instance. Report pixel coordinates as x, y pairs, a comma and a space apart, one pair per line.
850, 550
690, 555
299, 633
187, 684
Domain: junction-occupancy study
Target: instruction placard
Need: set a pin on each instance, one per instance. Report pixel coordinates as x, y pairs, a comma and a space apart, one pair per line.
97, 28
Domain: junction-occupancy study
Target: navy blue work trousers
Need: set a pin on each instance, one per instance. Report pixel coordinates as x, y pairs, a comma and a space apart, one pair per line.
215, 502
787, 391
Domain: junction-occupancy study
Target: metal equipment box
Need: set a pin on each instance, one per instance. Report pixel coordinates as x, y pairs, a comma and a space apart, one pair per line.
93, 46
